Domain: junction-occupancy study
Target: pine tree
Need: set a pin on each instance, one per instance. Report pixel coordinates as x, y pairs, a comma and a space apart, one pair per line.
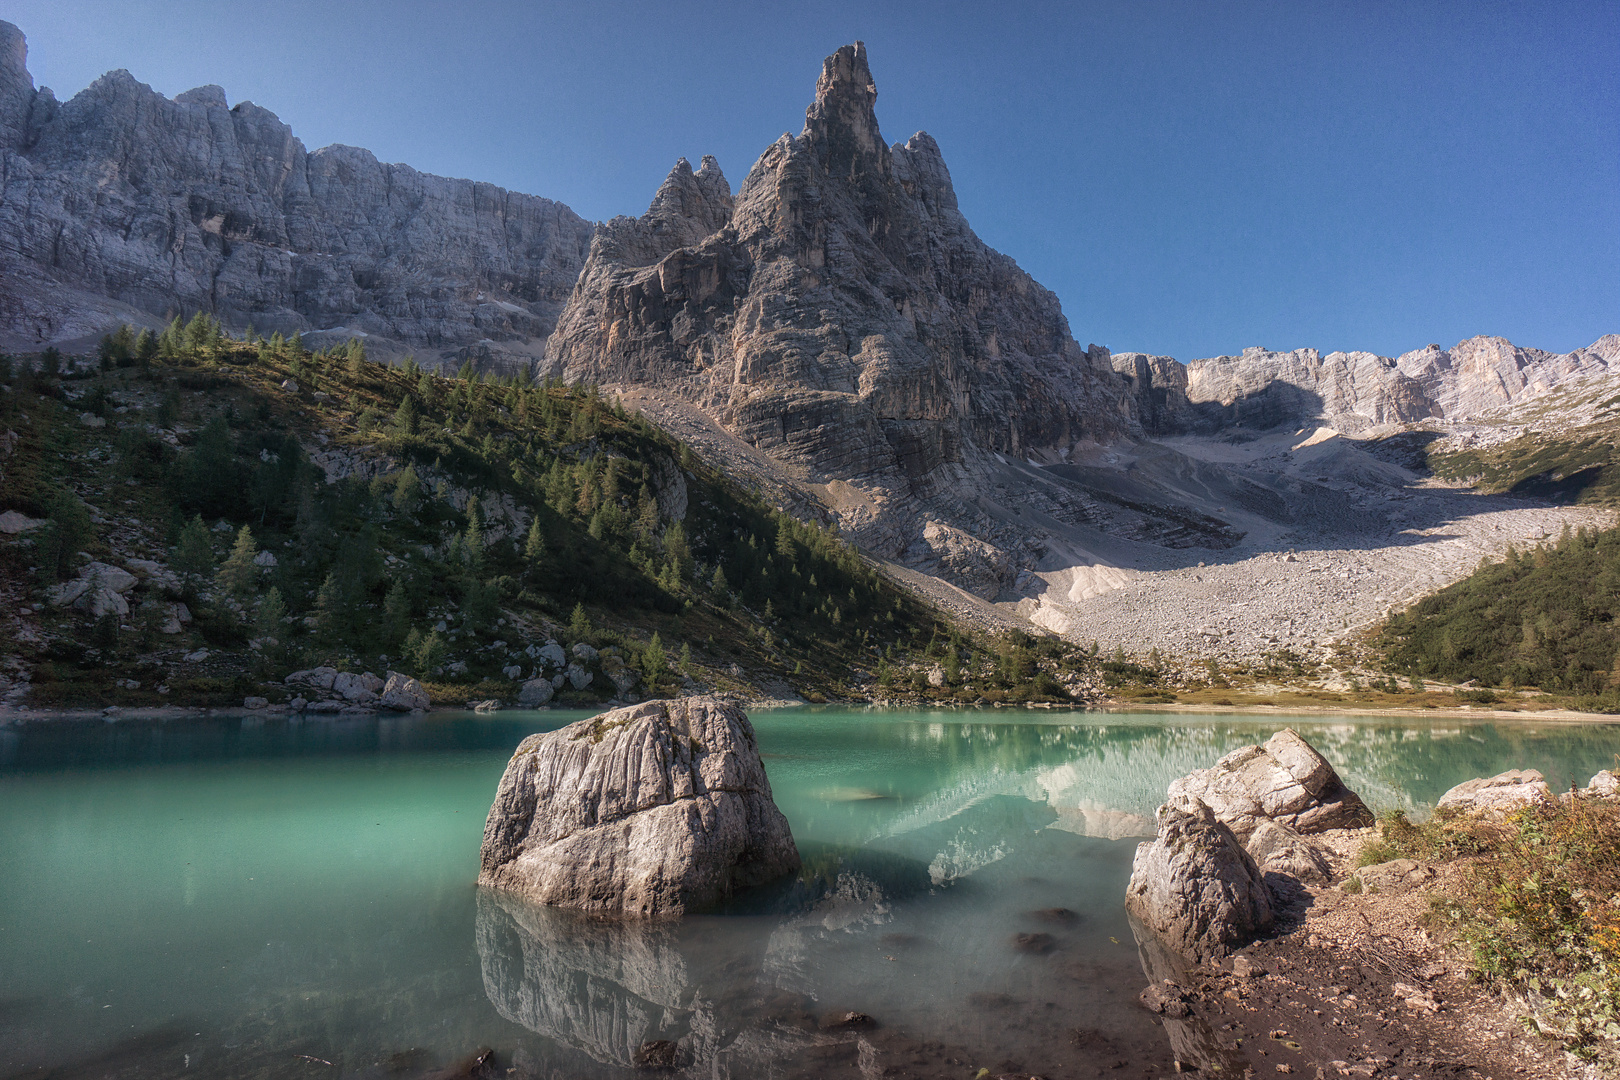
329, 611
405, 417
238, 577
356, 363
534, 547
579, 624
718, 583
146, 348
472, 543
268, 632
68, 528
407, 491
193, 556
198, 333
653, 661
295, 347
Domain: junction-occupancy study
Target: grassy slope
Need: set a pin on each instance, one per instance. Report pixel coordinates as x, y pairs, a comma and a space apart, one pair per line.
797, 603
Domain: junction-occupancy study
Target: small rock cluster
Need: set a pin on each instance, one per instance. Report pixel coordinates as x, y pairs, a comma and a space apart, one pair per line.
328, 690
1233, 844
539, 688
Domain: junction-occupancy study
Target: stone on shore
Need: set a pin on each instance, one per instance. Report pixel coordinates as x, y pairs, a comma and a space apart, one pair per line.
402, 693
1195, 886
1272, 797
1497, 794
656, 809
535, 693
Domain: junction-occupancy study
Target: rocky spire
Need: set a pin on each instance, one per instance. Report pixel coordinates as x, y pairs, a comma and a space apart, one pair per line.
692, 204
16, 87
842, 122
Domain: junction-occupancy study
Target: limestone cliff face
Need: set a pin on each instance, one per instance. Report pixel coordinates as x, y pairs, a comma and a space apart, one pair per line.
1350, 391
840, 314
121, 201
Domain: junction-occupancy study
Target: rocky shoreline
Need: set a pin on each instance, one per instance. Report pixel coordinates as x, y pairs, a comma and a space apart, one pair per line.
1272, 946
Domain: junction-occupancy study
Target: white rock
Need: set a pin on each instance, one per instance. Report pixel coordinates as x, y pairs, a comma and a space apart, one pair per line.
1604, 783
255, 703
584, 652
12, 523
578, 677
197, 657
265, 559
512, 671
1497, 794
289, 385
353, 688
321, 678
404, 694
651, 810
91, 420
552, 655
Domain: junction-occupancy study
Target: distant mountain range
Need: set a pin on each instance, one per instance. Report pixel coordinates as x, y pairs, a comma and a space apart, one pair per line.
835, 329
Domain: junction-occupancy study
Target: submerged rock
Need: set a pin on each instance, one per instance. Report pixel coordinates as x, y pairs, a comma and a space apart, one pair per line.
655, 809
1195, 886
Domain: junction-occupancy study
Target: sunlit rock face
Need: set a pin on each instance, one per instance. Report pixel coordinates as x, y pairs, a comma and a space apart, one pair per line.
655, 809
839, 314
1352, 391
123, 204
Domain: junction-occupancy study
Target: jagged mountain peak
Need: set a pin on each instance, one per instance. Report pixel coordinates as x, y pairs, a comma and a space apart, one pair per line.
846, 321
842, 121
208, 94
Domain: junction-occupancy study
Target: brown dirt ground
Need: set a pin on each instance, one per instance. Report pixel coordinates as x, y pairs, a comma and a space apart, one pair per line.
1352, 985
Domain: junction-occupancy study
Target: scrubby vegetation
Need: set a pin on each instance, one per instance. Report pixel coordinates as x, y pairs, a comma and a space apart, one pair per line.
1583, 467
1543, 619
1538, 909
369, 516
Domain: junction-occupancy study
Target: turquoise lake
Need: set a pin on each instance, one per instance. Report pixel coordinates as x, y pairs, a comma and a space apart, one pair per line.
239, 896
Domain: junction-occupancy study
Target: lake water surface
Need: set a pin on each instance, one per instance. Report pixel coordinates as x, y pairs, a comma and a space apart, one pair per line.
251, 896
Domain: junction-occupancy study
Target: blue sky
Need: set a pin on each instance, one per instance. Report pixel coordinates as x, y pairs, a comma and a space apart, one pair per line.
1189, 177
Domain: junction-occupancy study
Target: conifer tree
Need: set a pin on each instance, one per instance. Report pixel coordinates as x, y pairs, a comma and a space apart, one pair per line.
407, 491
268, 632
237, 576
356, 358
193, 557
534, 547
653, 661
146, 347
406, 416
473, 539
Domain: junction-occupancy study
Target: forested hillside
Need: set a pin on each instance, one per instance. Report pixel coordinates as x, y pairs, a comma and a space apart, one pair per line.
1542, 618
279, 508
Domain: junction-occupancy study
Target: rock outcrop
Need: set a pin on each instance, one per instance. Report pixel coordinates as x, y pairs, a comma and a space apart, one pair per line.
121, 204
839, 314
1239, 826
1506, 791
1195, 886
1273, 797
656, 809
1353, 391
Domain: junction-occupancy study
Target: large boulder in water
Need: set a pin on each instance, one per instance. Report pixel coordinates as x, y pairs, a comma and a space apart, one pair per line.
1195, 886
655, 809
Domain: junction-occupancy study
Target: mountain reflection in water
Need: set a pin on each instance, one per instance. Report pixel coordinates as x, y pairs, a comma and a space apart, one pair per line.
231, 892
